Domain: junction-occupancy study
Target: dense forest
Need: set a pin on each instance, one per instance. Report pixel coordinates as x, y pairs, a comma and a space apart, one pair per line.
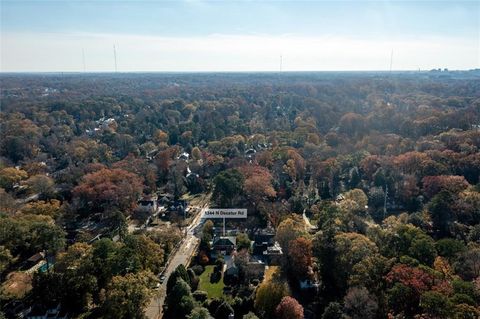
369, 180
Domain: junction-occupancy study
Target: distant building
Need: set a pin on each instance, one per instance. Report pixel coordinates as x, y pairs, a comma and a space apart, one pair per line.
191, 176
184, 156
250, 152
104, 123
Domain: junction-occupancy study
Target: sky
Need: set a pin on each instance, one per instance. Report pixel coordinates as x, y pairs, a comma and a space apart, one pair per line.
241, 35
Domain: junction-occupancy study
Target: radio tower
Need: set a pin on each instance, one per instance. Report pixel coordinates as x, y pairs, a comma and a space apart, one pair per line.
83, 60
391, 61
115, 57
281, 62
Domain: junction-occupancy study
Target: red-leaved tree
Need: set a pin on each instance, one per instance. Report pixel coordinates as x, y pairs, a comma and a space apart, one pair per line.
289, 308
109, 189
412, 277
451, 183
300, 257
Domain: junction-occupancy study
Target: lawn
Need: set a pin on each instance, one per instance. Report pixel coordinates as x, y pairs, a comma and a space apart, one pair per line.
214, 290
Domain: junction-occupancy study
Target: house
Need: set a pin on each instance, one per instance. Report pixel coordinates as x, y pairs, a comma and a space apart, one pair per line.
35, 262
265, 247
148, 204
255, 269
166, 199
273, 254
264, 235
309, 284
224, 245
104, 123
194, 182
263, 238
184, 156
192, 176
231, 270
16, 309
150, 155
179, 207
310, 281
250, 153
34, 259
43, 312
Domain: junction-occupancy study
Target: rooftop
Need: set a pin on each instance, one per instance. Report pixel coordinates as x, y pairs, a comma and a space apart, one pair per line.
224, 241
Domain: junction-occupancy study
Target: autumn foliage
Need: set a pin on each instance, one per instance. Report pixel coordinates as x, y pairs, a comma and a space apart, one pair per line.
289, 308
258, 182
300, 257
412, 277
432, 185
109, 188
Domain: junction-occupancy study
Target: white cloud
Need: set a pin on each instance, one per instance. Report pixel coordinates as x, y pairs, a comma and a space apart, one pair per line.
63, 52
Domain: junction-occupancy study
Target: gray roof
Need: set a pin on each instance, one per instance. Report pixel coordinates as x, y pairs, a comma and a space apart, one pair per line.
224, 241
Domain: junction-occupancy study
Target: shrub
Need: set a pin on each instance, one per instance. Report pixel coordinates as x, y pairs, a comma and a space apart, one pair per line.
200, 295
462, 299
215, 276
198, 269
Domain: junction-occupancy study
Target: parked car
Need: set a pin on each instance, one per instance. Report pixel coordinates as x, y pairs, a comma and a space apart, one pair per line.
162, 279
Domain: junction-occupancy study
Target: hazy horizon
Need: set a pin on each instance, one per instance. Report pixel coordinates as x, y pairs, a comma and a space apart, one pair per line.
239, 36
231, 72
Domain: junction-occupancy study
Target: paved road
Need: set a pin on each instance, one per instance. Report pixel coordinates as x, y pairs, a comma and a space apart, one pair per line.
182, 256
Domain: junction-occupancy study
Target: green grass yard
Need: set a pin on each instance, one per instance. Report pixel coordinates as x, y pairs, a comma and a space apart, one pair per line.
214, 290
